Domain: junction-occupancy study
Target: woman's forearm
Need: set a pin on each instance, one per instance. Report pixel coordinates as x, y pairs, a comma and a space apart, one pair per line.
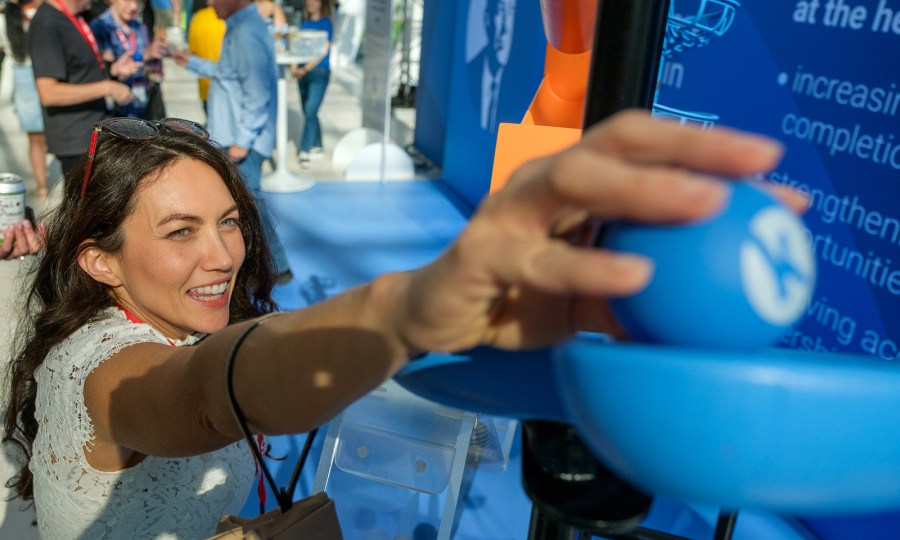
298, 370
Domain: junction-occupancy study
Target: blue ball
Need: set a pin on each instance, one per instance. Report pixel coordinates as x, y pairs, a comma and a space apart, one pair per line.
736, 280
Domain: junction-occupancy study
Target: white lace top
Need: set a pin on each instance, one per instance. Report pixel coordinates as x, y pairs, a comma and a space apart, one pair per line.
157, 498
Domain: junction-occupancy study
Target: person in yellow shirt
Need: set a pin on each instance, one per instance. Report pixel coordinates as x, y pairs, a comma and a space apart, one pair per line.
205, 35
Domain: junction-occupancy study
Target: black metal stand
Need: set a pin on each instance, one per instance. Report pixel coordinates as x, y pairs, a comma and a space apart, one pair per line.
571, 491
574, 496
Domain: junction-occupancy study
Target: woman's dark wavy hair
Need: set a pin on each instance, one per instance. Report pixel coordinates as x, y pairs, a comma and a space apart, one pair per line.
62, 297
15, 31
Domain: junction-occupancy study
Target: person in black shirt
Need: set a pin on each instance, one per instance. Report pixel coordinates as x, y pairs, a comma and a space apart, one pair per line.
72, 81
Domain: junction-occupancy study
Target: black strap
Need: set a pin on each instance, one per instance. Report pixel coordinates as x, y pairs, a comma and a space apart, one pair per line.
284, 497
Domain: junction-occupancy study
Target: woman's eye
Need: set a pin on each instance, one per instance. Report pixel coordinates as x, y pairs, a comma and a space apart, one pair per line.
180, 233
230, 222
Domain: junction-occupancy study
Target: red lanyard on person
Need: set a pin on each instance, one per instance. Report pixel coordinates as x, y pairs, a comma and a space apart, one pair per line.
260, 440
131, 39
133, 318
82, 26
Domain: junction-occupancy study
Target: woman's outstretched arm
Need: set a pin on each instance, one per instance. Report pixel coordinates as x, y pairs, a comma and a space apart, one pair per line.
516, 277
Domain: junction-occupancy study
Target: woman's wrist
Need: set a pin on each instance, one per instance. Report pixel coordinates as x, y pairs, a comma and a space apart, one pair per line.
387, 308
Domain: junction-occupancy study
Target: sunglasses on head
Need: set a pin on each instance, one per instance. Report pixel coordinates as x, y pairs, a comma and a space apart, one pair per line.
136, 130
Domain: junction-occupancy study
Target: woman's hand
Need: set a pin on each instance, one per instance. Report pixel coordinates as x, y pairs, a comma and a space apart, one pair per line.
125, 66
20, 239
523, 273
119, 92
181, 57
299, 72
156, 50
237, 153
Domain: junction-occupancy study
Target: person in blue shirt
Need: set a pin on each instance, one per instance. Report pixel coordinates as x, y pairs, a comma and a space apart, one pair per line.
312, 78
119, 31
242, 101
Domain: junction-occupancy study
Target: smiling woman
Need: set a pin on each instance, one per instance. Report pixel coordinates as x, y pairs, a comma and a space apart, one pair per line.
121, 412
139, 257
177, 269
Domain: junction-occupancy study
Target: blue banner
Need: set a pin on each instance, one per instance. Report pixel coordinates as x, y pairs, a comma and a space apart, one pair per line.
496, 66
821, 76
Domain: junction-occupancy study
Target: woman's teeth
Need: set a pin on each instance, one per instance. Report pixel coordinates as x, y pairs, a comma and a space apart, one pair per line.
210, 290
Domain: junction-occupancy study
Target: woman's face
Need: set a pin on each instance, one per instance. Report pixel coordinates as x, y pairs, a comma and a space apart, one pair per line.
182, 252
127, 10
313, 7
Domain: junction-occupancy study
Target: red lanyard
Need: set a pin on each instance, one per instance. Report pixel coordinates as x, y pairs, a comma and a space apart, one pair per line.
131, 38
82, 26
260, 486
133, 318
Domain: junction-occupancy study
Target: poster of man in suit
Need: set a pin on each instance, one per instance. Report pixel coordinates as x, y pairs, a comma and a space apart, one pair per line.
489, 39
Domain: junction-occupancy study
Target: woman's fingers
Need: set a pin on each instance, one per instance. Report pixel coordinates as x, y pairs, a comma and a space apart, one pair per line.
610, 188
795, 200
8, 241
32, 239
549, 193
635, 136
20, 239
553, 265
559, 267
41, 235
20, 245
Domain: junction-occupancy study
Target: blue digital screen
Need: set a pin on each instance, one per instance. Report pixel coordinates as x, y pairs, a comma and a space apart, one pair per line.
821, 76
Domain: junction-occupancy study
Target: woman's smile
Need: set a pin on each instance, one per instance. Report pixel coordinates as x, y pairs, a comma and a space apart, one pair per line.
211, 295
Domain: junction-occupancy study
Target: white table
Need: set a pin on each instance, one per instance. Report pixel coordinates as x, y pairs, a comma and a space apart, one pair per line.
281, 179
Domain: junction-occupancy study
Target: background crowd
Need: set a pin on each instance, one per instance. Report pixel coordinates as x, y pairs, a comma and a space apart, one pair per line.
78, 62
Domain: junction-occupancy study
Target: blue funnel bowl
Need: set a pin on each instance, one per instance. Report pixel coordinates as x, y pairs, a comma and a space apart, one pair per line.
770, 429
774, 429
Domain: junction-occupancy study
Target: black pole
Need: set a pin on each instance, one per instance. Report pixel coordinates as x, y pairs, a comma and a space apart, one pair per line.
725, 525
628, 40
571, 491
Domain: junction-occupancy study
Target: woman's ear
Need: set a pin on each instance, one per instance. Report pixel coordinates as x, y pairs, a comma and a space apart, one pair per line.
98, 264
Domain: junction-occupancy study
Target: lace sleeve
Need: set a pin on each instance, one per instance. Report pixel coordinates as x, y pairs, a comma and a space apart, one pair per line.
62, 376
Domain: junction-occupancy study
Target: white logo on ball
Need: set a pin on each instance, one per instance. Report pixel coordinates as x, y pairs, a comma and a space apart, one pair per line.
777, 266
